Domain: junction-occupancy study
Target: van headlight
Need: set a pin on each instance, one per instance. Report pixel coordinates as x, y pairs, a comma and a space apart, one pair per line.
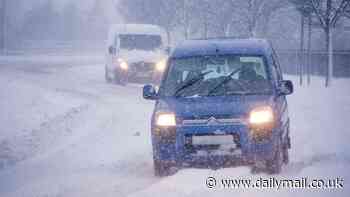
261, 123
122, 64
160, 66
261, 116
166, 120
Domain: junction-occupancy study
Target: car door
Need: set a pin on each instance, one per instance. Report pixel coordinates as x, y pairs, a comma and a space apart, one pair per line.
281, 101
113, 42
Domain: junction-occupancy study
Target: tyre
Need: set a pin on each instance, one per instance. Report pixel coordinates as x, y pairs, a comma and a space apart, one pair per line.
285, 154
286, 147
274, 166
121, 79
108, 79
161, 169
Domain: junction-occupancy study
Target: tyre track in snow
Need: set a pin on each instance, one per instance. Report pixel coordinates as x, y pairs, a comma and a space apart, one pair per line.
97, 161
20, 148
94, 144
34, 140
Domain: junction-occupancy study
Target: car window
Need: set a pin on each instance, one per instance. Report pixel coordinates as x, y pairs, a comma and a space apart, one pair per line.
251, 75
277, 66
257, 63
274, 72
140, 42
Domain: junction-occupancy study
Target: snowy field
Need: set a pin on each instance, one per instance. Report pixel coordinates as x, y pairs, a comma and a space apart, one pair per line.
66, 133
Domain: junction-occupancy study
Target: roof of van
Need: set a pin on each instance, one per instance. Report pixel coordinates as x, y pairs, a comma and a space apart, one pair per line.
217, 46
145, 29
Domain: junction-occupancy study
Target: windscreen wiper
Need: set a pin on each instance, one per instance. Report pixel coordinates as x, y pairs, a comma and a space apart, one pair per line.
227, 79
191, 82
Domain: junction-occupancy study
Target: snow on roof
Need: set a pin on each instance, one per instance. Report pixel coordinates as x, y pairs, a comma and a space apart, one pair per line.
137, 29
141, 29
221, 46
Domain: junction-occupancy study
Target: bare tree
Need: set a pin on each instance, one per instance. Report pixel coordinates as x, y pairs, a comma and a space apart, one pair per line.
347, 12
3, 25
305, 10
268, 12
195, 16
250, 11
163, 13
205, 11
256, 13
308, 64
186, 18
328, 13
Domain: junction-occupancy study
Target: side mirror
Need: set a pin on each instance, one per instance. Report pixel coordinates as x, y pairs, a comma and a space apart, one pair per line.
168, 50
149, 92
286, 87
112, 50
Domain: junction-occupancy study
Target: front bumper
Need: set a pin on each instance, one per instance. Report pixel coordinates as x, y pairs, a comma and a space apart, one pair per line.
172, 144
144, 70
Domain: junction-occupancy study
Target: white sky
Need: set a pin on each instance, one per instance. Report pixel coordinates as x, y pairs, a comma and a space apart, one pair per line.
83, 4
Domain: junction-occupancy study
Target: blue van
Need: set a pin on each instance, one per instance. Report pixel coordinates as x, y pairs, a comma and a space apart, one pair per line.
221, 102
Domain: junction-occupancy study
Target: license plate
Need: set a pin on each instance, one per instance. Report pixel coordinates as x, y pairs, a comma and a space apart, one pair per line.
213, 140
144, 74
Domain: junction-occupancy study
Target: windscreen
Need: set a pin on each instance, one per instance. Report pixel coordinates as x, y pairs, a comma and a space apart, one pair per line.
140, 42
217, 76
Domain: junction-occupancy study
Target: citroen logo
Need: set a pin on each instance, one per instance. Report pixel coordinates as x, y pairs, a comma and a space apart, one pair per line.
212, 121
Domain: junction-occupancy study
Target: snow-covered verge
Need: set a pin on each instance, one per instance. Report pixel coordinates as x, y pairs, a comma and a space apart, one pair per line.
89, 128
30, 107
65, 132
51, 60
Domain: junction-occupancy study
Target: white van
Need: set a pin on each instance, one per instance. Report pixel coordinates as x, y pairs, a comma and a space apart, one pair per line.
136, 51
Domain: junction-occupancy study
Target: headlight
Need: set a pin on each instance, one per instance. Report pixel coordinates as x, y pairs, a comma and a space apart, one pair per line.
123, 65
262, 115
166, 120
160, 66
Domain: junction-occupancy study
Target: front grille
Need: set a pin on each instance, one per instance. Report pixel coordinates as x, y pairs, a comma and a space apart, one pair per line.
213, 121
143, 66
193, 148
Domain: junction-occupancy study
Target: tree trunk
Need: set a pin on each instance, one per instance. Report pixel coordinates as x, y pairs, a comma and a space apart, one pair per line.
309, 50
250, 31
329, 47
205, 30
185, 20
301, 55
227, 30
3, 26
206, 19
251, 27
329, 43
265, 25
169, 36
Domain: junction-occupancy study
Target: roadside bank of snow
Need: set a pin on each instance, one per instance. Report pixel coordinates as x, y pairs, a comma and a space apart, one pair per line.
50, 60
29, 111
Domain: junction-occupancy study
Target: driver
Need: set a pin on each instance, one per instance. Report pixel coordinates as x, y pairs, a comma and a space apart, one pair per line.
248, 72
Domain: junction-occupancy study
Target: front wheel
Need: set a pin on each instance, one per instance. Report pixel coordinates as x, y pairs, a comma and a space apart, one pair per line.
286, 147
121, 78
285, 155
161, 169
274, 166
108, 79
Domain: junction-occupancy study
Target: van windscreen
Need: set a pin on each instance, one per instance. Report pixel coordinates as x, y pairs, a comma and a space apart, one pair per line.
140, 42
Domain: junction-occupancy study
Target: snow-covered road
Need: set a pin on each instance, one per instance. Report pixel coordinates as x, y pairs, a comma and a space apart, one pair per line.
65, 132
